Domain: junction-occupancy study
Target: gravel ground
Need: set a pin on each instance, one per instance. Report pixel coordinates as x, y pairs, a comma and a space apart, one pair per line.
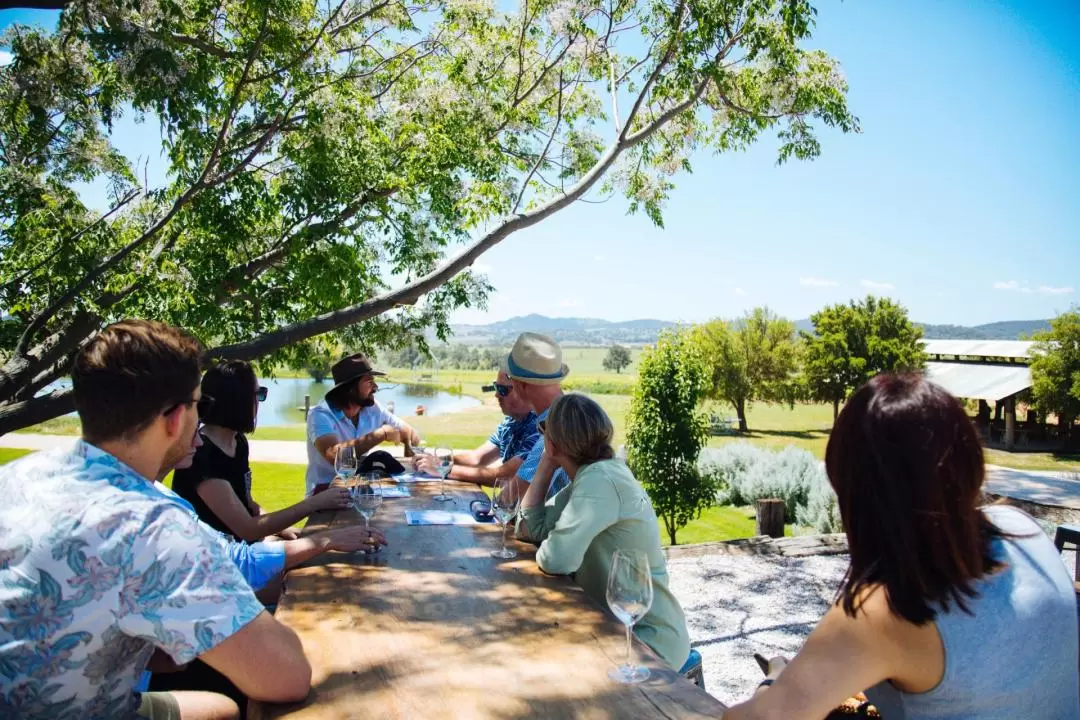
737, 605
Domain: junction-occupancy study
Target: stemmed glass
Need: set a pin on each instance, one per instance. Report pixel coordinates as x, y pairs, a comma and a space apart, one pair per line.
444, 463
504, 506
366, 499
345, 463
629, 595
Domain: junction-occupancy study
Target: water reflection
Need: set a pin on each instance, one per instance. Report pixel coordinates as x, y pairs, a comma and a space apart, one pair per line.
285, 405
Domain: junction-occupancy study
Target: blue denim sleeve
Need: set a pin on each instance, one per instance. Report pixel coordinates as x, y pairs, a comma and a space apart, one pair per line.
259, 562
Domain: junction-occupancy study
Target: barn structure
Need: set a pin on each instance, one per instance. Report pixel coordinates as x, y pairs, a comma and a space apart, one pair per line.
990, 371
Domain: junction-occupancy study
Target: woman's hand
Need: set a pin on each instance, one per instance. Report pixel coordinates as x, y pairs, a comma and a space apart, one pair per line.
333, 498
354, 537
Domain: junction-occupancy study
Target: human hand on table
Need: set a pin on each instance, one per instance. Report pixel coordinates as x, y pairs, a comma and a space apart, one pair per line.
354, 537
426, 464
332, 498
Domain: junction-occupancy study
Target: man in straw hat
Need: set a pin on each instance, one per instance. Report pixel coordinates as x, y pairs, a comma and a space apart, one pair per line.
350, 416
536, 369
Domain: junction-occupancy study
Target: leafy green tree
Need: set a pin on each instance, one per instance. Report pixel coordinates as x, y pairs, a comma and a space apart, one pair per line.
852, 343
666, 430
617, 358
1055, 370
750, 359
338, 167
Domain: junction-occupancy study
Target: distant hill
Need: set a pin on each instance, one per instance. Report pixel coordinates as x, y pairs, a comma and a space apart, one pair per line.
585, 331
591, 331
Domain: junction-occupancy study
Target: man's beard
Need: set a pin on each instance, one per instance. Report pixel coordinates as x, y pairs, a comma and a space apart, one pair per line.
356, 398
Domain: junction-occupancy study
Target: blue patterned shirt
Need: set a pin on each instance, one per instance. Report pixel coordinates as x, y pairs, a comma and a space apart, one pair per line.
559, 479
97, 568
515, 438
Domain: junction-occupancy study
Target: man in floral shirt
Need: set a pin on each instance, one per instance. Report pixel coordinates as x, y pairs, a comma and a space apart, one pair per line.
98, 569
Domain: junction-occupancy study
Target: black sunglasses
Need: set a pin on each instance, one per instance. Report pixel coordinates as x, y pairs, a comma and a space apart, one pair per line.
262, 393
503, 390
541, 426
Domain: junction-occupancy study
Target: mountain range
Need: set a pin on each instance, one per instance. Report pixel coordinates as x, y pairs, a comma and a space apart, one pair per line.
593, 331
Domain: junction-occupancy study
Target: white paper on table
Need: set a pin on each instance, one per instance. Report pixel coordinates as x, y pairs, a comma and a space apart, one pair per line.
393, 492
438, 517
411, 477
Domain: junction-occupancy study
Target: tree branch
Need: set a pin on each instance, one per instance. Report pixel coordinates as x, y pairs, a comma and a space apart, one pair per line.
547, 147
34, 411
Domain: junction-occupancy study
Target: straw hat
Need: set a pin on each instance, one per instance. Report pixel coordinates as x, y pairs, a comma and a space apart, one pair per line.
536, 359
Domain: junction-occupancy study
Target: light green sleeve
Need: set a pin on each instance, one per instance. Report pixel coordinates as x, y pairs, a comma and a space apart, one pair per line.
590, 509
535, 523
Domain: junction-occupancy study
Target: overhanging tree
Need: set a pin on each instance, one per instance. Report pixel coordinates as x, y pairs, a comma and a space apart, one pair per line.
338, 167
749, 359
665, 430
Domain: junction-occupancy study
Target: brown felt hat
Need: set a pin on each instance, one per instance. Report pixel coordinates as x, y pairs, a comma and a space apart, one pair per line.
349, 369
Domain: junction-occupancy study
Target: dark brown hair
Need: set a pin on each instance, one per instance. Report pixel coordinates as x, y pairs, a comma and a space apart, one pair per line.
907, 467
232, 385
130, 373
581, 428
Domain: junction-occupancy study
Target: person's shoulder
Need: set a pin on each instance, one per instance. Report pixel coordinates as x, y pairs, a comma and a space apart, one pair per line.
604, 473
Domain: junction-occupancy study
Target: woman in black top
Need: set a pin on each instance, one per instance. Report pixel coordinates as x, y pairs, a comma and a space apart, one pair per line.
218, 483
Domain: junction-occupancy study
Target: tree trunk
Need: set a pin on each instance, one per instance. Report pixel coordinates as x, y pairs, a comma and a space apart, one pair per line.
740, 410
770, 517
835, 409
669, 525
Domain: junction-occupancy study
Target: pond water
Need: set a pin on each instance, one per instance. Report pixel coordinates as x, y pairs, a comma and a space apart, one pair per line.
285, 403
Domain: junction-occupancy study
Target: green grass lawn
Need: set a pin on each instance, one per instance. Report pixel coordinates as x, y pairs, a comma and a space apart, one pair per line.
9, 454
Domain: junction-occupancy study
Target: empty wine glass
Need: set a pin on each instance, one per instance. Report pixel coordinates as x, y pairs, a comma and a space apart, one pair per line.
444, 463
366, 499
629, 595
345, 463
504, 506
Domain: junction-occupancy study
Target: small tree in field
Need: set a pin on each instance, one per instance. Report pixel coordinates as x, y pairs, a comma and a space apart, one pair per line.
617, 358
1055, 370
852, 343
666, 431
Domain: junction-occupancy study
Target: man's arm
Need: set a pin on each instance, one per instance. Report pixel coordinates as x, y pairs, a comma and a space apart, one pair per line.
487, 476
480, 457
265, 660
328, 445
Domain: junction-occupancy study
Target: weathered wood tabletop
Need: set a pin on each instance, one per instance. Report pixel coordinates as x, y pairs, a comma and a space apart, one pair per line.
433, 627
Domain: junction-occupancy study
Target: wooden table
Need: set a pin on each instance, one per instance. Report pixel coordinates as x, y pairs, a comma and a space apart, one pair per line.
434, 627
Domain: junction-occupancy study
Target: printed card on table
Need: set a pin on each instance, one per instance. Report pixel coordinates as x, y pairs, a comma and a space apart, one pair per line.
438, 517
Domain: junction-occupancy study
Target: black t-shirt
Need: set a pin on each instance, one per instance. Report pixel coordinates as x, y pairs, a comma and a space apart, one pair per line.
211, 462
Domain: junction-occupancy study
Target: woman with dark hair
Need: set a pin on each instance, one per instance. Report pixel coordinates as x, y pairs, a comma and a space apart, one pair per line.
218, 483
948, 609
603, 509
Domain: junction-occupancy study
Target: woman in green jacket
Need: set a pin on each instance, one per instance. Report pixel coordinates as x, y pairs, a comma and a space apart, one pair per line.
602, 510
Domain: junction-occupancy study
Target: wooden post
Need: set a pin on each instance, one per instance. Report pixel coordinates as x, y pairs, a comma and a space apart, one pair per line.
770, 517
984, 412
1010, 423
307, 406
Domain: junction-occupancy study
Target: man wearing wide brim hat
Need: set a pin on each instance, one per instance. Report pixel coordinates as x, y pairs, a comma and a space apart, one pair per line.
535, 367
350, 416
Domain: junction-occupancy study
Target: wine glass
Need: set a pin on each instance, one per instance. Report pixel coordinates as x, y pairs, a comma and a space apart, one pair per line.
504, 506
366, 500
444, 463
345, 463
629, 595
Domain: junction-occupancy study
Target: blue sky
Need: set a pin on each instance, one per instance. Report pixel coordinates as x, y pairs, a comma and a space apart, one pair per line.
959, 199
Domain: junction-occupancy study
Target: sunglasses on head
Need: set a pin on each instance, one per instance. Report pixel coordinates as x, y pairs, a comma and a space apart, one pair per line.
262, 393
202, 405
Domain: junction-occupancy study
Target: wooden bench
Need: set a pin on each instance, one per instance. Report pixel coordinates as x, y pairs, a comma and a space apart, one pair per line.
1069, 534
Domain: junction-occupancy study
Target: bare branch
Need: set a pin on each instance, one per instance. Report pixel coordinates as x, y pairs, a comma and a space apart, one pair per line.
37, 410
661, 65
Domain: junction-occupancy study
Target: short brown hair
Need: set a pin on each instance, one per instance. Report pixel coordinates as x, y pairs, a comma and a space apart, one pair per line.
907, 467
131, 372
581, 429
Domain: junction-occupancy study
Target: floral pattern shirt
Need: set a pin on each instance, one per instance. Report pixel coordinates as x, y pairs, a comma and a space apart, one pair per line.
98, 568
